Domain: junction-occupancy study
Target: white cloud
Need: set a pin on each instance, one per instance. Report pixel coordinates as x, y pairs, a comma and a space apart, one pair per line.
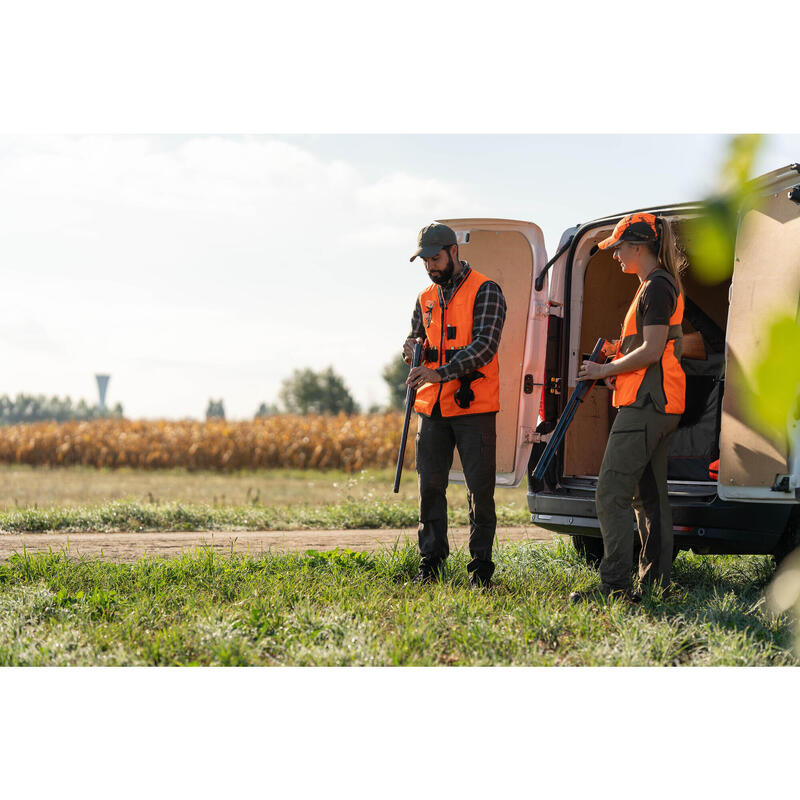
407, 196
124, 252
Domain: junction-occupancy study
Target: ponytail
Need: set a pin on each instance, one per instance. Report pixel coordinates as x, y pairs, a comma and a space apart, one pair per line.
671, 255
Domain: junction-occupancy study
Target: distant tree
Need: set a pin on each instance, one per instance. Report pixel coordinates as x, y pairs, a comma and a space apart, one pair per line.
309, 392
395, 374
267, 410
215, 410
38, 408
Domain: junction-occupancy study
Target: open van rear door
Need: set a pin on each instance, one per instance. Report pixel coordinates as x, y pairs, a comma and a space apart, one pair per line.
766, 281
512, 253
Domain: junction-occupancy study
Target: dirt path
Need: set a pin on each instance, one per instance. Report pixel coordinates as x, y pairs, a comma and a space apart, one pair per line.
131, 546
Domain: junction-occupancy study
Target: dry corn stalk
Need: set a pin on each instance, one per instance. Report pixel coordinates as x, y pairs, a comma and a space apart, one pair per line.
282, 441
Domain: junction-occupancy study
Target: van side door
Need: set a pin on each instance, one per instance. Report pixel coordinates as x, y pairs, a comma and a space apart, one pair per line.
756, 465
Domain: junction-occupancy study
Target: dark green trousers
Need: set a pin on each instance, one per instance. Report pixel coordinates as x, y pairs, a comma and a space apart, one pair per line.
474, 436
633, 479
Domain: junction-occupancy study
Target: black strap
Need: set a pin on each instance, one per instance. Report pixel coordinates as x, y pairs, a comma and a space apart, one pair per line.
432, 354
464, 396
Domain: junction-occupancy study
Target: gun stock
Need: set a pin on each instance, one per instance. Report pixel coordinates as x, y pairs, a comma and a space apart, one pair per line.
410, 397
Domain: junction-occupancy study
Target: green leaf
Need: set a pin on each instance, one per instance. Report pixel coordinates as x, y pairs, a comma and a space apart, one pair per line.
776, 378
712, 237
738, 167
712, 240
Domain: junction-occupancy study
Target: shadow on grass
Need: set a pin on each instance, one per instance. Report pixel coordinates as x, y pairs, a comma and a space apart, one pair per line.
721, 593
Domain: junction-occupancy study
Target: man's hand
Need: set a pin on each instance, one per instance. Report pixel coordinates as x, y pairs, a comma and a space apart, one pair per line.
408, 349
420, 375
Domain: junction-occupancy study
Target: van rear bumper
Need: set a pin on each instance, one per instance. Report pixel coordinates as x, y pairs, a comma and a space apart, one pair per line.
708, 525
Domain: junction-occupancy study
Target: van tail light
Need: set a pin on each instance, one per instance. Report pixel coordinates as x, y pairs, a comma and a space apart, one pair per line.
713, 470
541, 407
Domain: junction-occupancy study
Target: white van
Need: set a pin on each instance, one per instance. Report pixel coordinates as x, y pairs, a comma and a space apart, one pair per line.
556, 312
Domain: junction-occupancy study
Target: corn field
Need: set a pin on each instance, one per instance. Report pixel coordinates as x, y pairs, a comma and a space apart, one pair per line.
349, 443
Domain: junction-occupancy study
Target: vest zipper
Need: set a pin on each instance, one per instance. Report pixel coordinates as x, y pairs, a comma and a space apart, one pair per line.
443, 306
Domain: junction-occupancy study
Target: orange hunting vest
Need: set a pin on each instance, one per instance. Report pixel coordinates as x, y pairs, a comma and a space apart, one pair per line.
448, 328
664, 381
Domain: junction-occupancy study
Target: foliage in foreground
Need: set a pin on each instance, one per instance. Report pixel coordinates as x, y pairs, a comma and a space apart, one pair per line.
348, 515
344, 608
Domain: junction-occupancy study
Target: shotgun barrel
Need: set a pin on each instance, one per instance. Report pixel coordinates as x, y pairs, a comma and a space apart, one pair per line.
410, 397
576, 398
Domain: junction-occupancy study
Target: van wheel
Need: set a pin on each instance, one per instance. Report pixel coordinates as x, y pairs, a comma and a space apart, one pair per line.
788, 542
590, 548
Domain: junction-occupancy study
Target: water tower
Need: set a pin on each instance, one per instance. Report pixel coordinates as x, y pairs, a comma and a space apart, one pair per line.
102, 385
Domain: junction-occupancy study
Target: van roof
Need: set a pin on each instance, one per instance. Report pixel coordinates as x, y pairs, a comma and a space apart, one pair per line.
775, 178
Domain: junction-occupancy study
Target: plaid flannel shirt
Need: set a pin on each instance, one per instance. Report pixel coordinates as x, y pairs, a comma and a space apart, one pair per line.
488, 318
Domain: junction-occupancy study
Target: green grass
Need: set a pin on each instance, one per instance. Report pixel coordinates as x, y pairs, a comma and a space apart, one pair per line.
344, 608
45, 487
25, 486
350, 514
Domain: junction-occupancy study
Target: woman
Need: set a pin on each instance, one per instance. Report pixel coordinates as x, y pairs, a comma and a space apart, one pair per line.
649, 391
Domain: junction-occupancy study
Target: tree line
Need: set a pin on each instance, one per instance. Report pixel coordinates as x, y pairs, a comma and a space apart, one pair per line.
40, 408
325, 392
303, 392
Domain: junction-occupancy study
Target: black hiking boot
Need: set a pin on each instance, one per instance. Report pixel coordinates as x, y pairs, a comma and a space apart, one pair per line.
477, 581
429, 573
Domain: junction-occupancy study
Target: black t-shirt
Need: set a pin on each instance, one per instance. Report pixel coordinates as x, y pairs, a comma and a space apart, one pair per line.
657, 302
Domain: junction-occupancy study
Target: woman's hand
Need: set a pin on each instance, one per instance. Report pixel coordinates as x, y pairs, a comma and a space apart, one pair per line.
591, 371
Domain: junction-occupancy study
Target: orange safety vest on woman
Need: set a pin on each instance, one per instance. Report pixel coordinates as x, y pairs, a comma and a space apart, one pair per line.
664, 381
448, 328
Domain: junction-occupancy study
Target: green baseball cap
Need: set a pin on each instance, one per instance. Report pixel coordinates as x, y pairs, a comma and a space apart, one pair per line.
432, 238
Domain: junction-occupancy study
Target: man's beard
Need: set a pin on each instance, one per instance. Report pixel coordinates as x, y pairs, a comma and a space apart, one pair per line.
447, 273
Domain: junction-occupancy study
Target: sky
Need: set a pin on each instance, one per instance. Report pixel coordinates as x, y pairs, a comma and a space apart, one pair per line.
198, 267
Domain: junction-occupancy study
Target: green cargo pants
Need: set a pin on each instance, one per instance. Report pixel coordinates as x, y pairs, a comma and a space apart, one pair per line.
633, 477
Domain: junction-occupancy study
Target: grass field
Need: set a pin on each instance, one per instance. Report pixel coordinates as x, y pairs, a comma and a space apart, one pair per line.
348, 515
345, 608
339, 608
24, 486
83, 499
47, 487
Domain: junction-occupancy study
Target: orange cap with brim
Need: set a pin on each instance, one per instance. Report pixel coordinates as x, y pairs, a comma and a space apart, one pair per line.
636, 228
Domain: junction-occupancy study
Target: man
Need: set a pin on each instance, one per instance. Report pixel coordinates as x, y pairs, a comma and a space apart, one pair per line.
459, 319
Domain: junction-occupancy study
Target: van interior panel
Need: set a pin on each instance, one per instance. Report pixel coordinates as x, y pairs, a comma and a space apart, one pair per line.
505, 257
585, 446
766, 283
607, 293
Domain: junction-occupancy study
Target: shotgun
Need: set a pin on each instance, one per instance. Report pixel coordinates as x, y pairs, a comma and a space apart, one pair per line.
410, 397
576, 398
